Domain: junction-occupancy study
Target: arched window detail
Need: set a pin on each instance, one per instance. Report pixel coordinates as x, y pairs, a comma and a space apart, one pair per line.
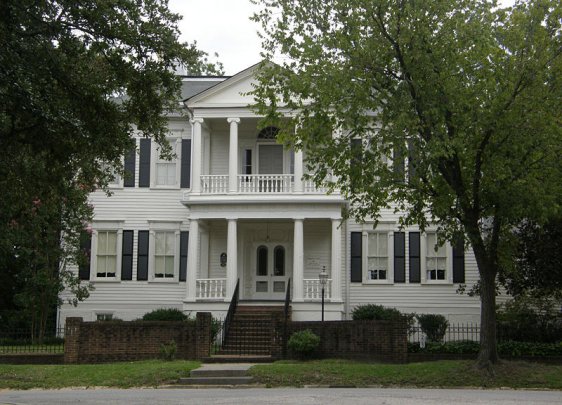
268, 134
261, 261
279, 261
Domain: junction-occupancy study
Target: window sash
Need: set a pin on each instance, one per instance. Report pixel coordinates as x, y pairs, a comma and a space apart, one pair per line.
164, 254
377, 256
106, 256
435, 260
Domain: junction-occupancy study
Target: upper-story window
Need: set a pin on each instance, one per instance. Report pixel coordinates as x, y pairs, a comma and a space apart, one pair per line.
167, 171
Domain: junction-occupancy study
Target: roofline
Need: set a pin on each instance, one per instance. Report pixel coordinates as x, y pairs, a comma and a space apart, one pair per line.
204, 77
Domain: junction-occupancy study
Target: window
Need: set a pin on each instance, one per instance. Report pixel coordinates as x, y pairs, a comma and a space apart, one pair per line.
261, 269
279, 261
104, 317
106, 258
166, 170
114, 179
377, 258
164, 254
247, 162
435, 259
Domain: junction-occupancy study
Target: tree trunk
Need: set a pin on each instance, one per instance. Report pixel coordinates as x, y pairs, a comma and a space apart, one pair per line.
487, 270
488, 354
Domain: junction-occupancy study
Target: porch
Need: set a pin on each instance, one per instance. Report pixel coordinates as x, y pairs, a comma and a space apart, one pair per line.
263, 254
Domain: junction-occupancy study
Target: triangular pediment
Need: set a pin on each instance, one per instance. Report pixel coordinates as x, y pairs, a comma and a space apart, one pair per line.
232, 92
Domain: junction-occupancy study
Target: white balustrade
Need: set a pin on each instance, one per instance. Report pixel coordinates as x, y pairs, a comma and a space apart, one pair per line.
211, 288
310, 187
265, 183
313, 289
214, 183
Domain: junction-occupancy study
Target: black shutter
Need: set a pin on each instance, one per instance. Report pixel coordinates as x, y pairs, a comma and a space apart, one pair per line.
142, 260
86, 250
130, 158
398, 163
127, 256
458, 262
414, 245
144, 163
185, 163
399, 257
356, 257
184, 239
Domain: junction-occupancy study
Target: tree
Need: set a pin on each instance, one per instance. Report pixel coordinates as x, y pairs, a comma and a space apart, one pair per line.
536, 267
77, 81
469, 93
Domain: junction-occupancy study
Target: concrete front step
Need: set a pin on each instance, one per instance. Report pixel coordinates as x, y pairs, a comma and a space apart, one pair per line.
216, 380
231, 358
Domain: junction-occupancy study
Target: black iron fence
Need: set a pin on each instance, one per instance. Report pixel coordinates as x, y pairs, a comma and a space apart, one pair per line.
20, 341
454, 333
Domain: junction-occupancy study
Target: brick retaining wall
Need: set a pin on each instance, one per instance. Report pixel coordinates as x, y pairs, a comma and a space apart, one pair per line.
363, 340
100, 342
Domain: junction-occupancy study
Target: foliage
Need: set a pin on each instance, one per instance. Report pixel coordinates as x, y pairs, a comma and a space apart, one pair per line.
165, 314
534, 267
433, 325
149, 373
168, 350
379, 312
506, 348
303, 343
77, 81
452, 108
216, 326
529, 319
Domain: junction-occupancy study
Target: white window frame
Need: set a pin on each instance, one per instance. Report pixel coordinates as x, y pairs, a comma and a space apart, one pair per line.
106, 227
175, 144
388, 230
118, 181
448, 261
99, 314
169, 227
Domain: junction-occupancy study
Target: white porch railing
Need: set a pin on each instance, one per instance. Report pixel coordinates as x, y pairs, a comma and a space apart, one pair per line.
310, 188
265, 183
214, 183
211, 288
313, 289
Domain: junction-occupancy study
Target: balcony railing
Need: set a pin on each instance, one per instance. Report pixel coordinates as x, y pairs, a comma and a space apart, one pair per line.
214, 183
313, 289
265, 183
309, 187
211, 288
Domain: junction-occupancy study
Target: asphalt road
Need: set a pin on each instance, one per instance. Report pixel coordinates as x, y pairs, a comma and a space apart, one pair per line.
261, 396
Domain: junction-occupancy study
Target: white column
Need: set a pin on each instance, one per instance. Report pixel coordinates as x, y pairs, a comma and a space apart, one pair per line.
233, 156
196, 156
336, 260
192, 259
298, 261
298, 171
231, 259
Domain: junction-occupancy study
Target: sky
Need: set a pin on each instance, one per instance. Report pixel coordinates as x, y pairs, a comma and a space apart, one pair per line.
223, 26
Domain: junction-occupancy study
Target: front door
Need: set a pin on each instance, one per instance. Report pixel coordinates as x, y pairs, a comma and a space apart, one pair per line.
271, 271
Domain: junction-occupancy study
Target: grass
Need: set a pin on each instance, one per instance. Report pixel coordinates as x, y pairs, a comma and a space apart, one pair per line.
428, 374
122, 375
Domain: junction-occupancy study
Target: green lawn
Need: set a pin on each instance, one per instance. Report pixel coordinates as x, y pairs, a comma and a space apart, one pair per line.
123, 375
428, 374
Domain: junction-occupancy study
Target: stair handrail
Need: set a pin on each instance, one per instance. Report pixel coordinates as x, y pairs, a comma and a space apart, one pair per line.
287, 299
231, 311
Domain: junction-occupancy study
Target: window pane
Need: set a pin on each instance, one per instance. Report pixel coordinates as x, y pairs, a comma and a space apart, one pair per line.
170, 243
159, 264
102, 243
279, 261
169, 266
262, 261
431, 240
111, 243
383, 244
382, 274
111, 265
160, 247
101, 266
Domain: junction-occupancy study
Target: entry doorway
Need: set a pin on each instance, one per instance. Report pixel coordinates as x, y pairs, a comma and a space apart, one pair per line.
271, 269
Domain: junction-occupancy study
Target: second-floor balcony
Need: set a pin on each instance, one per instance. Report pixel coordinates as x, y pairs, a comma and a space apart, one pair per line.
257, 184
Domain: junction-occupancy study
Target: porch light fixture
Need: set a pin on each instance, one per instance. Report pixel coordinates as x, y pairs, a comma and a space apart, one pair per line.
223, 259
323, 278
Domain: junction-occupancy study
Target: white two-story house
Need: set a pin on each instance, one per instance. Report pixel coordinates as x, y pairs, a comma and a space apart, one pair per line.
233, 207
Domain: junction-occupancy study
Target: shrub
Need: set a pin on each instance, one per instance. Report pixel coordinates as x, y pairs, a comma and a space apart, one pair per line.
514, 349
165, 314
168, 350
433, 325
303, 343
